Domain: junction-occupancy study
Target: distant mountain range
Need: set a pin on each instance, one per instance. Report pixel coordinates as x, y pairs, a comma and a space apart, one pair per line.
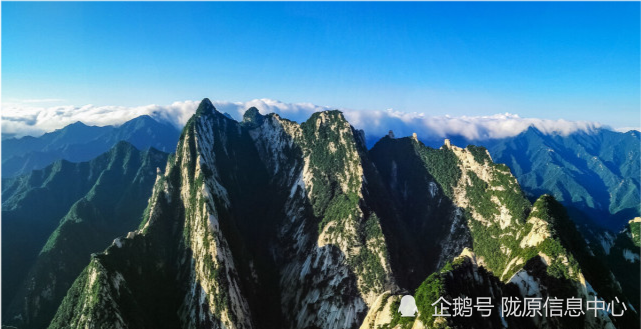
4, 136
594, 174
78, 142
54, 218
268, 223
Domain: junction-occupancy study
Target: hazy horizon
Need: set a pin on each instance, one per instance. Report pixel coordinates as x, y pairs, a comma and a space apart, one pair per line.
34, 121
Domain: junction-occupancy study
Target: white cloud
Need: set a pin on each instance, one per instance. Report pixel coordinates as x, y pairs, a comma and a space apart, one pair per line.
470, 127
626, 129
25, 120
30, 120
379, 122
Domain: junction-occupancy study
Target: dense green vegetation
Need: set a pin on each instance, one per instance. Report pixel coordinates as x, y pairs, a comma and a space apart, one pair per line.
80, 143
331, 165
491, 242
480, 197
503, 186
429, 292
111, 207
443, 165
335, 155
364, 217
495, 245
367, 261
595, 175
634, 231
479, 153
397, 320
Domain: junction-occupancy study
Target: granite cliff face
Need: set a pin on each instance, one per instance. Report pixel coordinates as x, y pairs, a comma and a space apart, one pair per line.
268, 223
528, 250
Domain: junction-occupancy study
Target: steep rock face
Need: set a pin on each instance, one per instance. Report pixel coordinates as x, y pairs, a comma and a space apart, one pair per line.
634, 225
506, 232
236, 202
450, 198
623, 258
179, 261
273, 224
329, 247
426, 228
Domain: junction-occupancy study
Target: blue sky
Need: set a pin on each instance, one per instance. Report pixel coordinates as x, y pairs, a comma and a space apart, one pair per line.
577, 61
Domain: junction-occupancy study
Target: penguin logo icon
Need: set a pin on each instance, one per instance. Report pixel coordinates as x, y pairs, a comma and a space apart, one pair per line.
408, 306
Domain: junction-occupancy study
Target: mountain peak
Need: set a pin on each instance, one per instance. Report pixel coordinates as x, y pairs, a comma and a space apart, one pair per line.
252, 117
122, 147
205, 107
78, 124
532, 130
328, 115
74, 127
139, 121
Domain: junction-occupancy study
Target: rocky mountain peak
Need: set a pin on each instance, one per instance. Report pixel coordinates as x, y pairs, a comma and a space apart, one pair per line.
205, 107
327, 117
273, 224
253, 118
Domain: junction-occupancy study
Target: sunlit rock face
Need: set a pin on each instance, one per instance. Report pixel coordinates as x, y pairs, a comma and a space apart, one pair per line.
268, 223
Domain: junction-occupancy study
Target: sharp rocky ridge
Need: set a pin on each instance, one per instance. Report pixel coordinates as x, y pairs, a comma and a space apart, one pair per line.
268, 223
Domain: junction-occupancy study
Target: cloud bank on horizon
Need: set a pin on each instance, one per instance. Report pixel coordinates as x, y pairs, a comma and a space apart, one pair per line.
21, 121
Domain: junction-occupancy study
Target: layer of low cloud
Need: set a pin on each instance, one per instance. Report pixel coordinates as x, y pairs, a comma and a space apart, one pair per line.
379, 122
626, 129
30, 120
34, 121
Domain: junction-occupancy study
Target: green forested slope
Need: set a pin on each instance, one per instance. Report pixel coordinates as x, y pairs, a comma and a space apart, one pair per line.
116, 188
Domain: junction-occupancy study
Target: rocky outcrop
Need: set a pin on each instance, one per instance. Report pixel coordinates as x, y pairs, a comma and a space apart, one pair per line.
273, 224
338, 248
223, 233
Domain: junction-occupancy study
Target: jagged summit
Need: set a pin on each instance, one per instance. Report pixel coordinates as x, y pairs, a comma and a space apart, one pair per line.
252, 117
205, 107
269, 223
328, 115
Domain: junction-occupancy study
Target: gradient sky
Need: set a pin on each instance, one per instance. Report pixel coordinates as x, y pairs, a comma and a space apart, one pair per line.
577, 61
